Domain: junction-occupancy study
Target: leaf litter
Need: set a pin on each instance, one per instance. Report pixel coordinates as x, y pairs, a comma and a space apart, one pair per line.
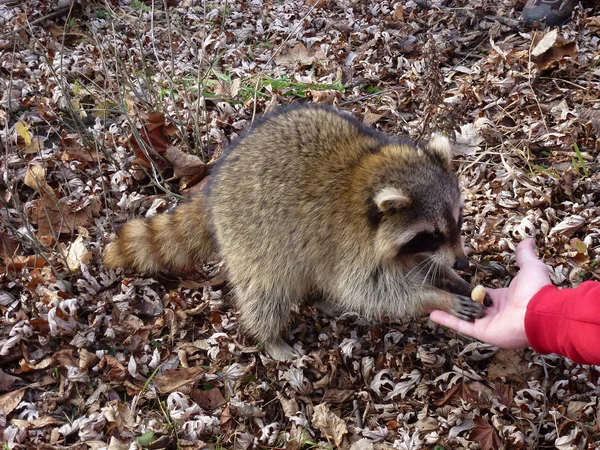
118, 110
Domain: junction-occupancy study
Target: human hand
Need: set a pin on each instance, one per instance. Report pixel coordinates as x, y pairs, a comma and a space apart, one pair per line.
504, 322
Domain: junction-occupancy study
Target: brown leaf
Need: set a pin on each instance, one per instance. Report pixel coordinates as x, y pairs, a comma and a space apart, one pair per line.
9, 246
299, 55
7, 381
509, 365
173, 379
73, 149
36, 424
552, 48
504, 393
184, 165
336, 396
460, 390
485, 435
330, 425
208, 399
399, 13
54, 217
10, 400
19, 262
35, 178
328, 96
112, 368
155, 138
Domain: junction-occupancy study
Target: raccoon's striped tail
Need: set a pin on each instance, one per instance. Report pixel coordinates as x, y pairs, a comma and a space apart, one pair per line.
172, 242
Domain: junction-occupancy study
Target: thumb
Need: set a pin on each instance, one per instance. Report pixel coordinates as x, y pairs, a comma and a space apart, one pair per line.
526, 253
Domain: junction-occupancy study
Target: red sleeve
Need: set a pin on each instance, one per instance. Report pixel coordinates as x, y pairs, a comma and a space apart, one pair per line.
566, 322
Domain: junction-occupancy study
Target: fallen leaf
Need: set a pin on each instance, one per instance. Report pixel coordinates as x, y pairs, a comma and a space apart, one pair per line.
327, 96
569, 225
10, 400
173, 379
337, 396
208, 399
76, 254
37, 144
329, 424
545, 43
7, 381
299, 55
22, 130
551, 49
74, 149
155, 141
507, 365
19, 262
460, 391
485, 435
185, 165
35, 178
54, 217
36, 424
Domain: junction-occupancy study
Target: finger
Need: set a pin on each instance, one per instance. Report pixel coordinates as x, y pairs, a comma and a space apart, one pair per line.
526, 253
450, 321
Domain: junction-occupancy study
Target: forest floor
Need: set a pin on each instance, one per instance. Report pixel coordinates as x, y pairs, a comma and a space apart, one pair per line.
96, 358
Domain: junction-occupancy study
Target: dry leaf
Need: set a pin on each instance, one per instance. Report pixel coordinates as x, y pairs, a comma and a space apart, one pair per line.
36, 424
485, 435
10, 400
35, 178
37, 144
208, 399
185, 165
54, 217
299, 55
155, 138
77, 254
19, 262
73, 149
337, 396
329, 424
546, 43
328, 96
173, 379
22, 130
551, 49
569, 225
507, 365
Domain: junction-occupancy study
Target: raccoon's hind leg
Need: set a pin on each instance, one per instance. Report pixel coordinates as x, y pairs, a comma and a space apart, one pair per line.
265, 315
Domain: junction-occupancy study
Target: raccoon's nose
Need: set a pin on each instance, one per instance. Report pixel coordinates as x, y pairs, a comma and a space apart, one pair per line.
461, 264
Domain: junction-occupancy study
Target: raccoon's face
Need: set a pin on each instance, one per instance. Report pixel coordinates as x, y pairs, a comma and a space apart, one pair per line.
419, 216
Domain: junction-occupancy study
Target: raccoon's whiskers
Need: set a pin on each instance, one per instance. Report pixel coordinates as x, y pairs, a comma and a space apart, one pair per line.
425, 264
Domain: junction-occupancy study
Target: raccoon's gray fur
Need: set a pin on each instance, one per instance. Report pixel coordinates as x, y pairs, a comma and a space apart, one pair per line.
312, 200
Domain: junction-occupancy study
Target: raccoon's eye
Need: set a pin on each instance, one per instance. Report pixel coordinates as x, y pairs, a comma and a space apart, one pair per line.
424, 242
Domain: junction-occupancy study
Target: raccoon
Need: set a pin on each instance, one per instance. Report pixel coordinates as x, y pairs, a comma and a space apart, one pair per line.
312, 200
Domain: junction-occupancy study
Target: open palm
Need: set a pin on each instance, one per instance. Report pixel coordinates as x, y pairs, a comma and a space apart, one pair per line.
504, 323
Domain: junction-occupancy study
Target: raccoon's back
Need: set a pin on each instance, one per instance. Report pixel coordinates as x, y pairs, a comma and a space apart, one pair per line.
287, 184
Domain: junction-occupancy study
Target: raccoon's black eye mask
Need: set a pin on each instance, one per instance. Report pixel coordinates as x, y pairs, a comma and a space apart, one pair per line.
423, 242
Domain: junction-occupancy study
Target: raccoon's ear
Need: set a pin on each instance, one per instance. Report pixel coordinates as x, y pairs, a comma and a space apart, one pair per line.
391, 198
440, 144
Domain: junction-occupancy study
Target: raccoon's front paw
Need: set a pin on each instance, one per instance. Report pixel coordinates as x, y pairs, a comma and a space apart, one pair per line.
465, 308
